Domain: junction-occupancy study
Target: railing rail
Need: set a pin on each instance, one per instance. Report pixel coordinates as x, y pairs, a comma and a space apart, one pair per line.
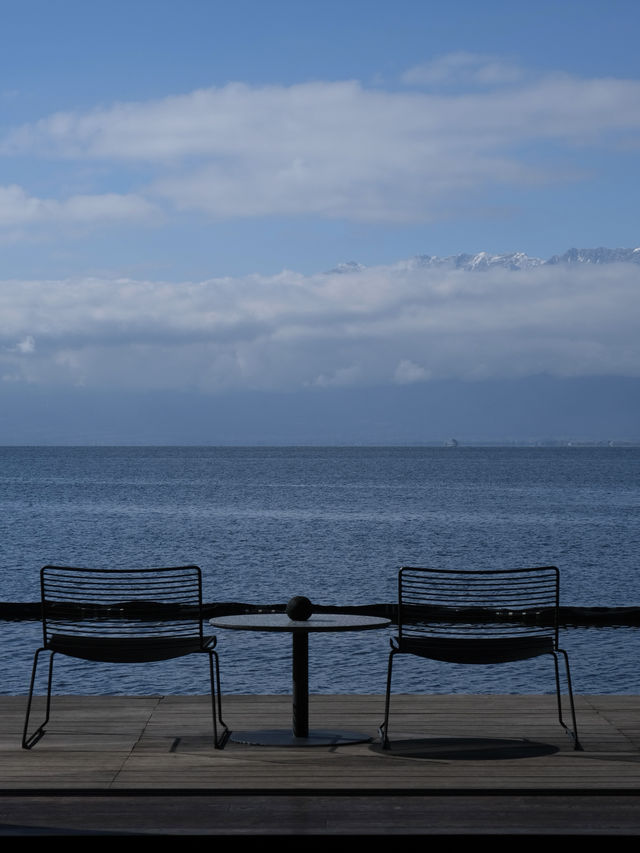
569, 616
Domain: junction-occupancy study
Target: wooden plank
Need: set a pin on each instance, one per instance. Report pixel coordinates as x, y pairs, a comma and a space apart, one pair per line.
439, 743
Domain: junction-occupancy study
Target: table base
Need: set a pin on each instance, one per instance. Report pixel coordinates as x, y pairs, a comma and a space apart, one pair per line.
285, 737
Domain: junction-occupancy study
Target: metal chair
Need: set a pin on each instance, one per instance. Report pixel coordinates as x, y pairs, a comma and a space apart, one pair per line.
124, 616
479, 617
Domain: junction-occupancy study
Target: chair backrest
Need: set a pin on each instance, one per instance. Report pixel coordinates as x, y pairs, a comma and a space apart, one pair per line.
502, 604
93, 608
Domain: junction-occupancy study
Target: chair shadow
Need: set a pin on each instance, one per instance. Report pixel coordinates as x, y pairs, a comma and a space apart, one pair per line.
465, 749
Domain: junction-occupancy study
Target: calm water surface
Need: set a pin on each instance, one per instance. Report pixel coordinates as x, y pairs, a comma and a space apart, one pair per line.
333, 524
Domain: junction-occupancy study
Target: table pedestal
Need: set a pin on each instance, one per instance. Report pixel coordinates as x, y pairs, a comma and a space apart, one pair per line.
300, 710
299, 733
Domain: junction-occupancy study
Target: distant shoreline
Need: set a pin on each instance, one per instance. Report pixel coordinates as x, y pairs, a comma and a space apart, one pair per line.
544, 444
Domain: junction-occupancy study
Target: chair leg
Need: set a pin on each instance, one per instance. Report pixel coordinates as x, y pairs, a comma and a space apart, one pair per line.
384, 728
30, 740
573, 733
216, 702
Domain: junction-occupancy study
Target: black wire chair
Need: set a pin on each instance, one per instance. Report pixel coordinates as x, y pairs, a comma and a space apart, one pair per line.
124, 616
479, 617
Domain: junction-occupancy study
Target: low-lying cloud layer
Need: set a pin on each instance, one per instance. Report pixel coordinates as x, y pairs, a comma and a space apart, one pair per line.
398, 324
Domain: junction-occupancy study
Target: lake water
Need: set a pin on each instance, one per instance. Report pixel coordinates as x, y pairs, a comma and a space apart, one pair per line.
333, 524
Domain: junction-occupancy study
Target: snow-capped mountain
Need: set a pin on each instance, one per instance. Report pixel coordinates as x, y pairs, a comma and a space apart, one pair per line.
481, 261
348, 266
509, 261
597, 256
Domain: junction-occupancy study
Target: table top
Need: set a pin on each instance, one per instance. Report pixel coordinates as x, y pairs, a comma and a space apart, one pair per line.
315, 623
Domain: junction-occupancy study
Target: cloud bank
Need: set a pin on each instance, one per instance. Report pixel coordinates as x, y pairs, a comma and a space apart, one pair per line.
338, 149
401, 324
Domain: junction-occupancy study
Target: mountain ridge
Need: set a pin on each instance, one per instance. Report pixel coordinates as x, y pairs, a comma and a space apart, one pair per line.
508, 260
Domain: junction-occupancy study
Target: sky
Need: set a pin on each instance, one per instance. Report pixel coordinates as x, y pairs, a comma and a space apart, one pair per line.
181, 181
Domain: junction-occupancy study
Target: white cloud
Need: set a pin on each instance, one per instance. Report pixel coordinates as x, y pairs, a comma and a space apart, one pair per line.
341, 378
382, 325
408, 372
462, 67
26, 345
338, 149
17, 208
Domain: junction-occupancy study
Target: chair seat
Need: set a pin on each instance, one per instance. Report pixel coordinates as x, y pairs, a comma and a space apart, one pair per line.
127, 649
477, 649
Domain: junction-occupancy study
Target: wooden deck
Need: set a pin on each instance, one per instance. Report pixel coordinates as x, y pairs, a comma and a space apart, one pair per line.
458, 749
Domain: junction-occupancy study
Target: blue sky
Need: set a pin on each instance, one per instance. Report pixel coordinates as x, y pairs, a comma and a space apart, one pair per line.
79, 57
176, 179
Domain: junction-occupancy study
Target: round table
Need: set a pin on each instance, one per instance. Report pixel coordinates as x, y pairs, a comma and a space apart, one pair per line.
299, 735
